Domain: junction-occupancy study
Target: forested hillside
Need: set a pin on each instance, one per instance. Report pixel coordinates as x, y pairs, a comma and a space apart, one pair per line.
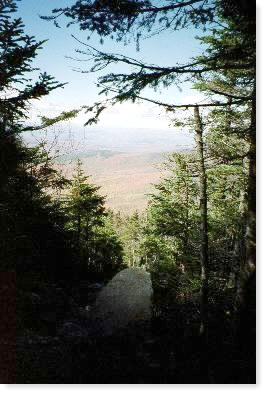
162, 294
124, 178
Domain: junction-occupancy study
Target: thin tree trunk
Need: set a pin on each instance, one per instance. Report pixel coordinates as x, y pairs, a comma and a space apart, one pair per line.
133, 253
204, 220
186, 229
240, 241
78, 228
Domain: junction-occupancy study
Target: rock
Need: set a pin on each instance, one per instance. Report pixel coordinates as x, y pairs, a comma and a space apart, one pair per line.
84, 313
42, 360
126, 299
46, 310
95, 286
49, 316
30, 338
57, 305
35, 299
73, 331
86, 292
93, 290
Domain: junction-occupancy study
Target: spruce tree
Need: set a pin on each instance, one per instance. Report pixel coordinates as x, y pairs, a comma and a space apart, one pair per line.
31, 223
84, 206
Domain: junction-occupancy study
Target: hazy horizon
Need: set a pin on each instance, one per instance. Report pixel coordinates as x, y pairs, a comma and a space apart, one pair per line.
140, 140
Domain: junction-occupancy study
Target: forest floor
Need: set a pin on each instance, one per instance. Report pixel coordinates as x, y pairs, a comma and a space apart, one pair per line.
165, 350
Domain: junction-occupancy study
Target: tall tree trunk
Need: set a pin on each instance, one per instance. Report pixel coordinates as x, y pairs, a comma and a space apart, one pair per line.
245, 303
204, 364
204, 221
239, 244
248, 264
251, 214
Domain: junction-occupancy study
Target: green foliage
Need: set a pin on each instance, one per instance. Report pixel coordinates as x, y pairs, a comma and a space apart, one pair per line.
34, 234
33, 239
17, 51
100, 250
170, 233
134, 17
129, 231
84, 206
173, 211
48, 122
175, 202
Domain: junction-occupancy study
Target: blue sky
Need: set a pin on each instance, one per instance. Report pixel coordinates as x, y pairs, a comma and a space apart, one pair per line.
163, 49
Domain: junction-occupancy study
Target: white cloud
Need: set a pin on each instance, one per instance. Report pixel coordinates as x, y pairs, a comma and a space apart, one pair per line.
44, 107
126, 115
193, 99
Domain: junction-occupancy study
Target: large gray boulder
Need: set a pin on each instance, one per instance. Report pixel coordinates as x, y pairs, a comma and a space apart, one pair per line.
126, 299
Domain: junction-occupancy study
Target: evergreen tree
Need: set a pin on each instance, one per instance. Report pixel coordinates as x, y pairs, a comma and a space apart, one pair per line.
174, 206
33, 239
135, 18
227, 153
84, 206
17, 52
235, 44
109, 249
98, 246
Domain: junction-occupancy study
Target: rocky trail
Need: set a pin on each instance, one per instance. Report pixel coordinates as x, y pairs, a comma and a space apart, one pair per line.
63, 344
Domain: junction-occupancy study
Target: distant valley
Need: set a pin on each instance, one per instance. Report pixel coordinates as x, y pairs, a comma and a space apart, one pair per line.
123, 162
125, 178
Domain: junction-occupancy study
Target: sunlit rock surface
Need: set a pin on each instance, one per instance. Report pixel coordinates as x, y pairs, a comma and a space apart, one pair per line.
126, 299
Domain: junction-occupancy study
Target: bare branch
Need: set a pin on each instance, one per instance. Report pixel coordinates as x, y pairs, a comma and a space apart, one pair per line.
237, 97
169, 7
109, 58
